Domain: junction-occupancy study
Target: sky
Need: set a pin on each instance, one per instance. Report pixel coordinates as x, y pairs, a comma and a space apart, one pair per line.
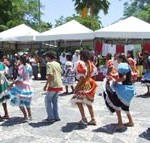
54, 9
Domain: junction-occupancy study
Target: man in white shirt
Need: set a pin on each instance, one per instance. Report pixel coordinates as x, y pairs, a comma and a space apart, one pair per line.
76, 59
76, 56
62, 60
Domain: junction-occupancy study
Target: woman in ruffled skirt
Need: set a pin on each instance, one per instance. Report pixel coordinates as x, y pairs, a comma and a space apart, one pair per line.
3, 91
119, 93
86, 87
21, 90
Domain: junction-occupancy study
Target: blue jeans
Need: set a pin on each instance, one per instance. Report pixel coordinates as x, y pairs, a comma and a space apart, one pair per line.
51, 103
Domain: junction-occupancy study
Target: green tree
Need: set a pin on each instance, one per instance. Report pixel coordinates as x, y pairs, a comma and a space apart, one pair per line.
5, 10
138, 8
94, 6
13, 13
60, 21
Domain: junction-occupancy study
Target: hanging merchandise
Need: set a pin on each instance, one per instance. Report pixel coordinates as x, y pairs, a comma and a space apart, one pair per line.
112, 49
119, 49
98, 47
128, 48
137, 48
108, 48
146, 47
105, 49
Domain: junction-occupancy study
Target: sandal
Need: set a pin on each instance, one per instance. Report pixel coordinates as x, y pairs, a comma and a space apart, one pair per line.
129, 124
83, 121
30, 118
5, 117
146, 94
92, 122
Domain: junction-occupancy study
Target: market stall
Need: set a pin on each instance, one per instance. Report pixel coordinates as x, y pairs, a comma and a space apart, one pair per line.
71, 30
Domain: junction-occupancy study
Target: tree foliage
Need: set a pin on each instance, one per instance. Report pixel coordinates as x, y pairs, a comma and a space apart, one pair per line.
138, 8
15, 12
94, 6
91, 8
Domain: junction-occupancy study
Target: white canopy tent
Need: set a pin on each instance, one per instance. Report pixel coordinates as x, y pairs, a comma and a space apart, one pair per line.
21, 33
130, 28
71, 30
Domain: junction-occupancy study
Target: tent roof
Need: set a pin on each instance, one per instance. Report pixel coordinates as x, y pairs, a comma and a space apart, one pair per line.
71, 30
129, 28
19, 33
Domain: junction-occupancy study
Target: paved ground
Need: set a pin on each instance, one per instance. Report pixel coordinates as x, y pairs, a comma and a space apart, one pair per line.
67, 130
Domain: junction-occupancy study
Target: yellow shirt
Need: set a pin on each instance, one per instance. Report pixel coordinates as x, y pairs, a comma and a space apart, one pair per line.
54, 69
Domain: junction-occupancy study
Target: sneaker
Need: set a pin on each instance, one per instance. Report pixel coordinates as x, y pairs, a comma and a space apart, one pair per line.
57, 120
48, 121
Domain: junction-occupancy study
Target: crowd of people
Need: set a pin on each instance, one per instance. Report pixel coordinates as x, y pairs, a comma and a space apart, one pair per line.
77, 72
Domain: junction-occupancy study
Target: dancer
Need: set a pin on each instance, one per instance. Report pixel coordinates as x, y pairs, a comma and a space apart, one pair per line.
53, 87
118, 96
3, 90
21, 90
86, 87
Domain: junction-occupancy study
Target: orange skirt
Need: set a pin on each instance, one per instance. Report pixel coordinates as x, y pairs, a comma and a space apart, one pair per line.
85, 91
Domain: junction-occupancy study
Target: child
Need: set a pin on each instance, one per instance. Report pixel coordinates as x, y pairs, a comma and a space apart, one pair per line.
21, 90
111, 71
69, 75
134, 73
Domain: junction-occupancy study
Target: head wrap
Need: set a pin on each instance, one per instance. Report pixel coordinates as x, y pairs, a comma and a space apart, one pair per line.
123, 68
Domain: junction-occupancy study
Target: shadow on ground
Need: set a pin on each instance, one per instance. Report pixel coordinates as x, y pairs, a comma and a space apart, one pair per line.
143, 96
13, 121
146, 134
69, 127
40, 124
65, 94
43, 81
110, 129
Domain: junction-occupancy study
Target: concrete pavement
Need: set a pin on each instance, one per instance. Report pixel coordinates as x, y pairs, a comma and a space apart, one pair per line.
16, 130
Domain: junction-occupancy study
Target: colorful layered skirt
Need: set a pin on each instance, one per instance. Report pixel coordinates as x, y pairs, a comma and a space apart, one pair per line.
118, 96
4, 96
21, 94
84, 92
